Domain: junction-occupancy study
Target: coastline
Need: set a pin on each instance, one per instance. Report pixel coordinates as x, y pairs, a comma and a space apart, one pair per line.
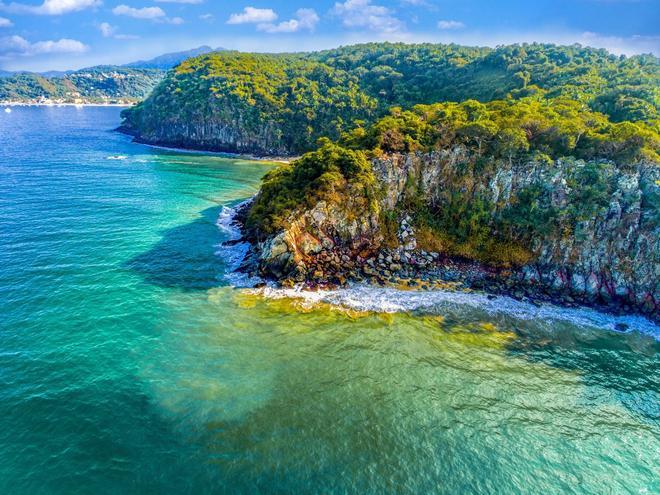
227, 154
77, 105
447, 283
390, 300
441, 274
403, 269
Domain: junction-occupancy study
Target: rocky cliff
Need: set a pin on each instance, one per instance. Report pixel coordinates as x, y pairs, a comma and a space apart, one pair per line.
563, 230
249, 103
228, 126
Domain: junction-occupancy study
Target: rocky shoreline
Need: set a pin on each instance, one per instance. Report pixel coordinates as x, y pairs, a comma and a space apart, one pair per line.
205, 150
408, 268
603, 255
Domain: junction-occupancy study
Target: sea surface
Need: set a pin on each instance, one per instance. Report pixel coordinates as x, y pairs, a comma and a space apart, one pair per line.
131, 363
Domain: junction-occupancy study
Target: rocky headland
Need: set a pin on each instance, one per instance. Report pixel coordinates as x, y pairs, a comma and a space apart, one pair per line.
607, 256
530, 170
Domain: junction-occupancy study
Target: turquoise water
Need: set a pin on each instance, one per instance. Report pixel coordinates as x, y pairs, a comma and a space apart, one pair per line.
128, 364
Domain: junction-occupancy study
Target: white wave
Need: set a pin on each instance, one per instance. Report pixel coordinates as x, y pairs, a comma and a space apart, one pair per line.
234, 254
389, 300
117, 157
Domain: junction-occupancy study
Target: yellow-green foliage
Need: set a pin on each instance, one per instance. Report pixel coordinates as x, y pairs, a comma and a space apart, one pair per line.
492, 251
460, 219
324, 174
301, 97
286, 102
510, 129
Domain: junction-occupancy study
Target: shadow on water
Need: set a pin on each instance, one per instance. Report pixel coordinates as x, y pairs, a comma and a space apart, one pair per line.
185, 257
627, 366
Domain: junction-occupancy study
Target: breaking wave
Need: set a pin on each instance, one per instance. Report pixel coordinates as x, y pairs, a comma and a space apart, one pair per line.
389, 300
233, 253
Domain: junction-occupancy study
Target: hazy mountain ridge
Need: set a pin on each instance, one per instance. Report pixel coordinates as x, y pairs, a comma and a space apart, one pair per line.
126, 83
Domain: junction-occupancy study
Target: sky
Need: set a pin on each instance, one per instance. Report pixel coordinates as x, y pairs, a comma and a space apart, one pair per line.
44, 35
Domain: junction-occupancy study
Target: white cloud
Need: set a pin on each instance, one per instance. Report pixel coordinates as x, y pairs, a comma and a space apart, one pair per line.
107, 30
207, 17
419, 3
250, 15
5, 23
189, 2
143, 13
363, 14
450, 25
150, 13
626, 45
17, 46
110, 31
306, 19
50, 7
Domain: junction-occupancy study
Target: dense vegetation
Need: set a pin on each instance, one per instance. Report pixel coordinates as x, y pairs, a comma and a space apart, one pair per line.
94, 84
546, 128
539, 105
286, 101
625, 88
324, 174
289, 101
462, 219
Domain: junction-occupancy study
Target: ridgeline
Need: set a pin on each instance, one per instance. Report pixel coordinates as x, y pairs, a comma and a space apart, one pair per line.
280, 104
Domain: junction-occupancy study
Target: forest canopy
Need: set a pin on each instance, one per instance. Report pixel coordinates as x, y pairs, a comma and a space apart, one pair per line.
305, 96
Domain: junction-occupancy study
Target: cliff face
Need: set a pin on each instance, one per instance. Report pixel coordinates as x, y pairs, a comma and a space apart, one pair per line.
249, 103
229, 127
588, 230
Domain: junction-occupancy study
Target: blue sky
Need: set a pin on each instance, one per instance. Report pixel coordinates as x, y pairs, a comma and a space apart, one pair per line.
65, 34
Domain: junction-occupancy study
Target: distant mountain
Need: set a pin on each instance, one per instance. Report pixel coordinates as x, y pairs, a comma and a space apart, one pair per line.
169, 60
100, 84
50, 73
94, 85
57, 73
162, 62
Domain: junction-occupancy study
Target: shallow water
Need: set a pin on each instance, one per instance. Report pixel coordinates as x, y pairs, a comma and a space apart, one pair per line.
129, 364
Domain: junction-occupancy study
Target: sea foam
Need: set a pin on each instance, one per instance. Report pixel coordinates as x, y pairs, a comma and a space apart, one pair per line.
389, 300
362, 297
233, 254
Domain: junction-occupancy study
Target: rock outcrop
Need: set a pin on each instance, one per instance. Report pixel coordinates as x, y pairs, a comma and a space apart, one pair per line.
608, 255
232, 129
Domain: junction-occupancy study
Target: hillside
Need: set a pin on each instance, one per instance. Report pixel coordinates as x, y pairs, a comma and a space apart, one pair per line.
282, 103
94, 85
100, 84
170, 60
532, 197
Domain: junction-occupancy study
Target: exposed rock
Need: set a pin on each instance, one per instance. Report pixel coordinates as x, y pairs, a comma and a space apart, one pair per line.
611, 258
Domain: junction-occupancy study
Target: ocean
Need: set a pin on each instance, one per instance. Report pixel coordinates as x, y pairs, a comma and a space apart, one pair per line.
133, 359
